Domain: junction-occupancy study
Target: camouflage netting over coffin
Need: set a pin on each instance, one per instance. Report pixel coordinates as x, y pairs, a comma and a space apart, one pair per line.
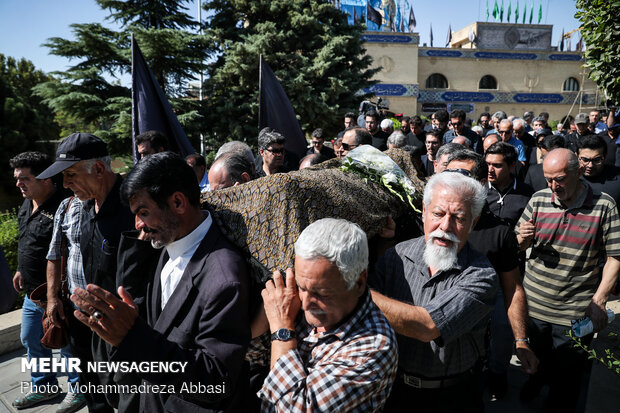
264, 217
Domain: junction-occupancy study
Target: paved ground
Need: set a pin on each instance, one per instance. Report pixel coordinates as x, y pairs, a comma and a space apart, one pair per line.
603, 395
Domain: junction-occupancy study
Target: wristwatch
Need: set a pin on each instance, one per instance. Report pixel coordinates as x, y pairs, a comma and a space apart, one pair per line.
283, 334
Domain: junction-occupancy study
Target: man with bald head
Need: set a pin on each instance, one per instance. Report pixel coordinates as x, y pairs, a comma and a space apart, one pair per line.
571, 229
504, 130
353, 137
490, 140
230, 169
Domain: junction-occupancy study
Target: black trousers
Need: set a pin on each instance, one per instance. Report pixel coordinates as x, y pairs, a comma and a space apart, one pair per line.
562, 366
88, 346
464, 397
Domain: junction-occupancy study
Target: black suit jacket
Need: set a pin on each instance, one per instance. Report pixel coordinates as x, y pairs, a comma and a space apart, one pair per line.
205, 323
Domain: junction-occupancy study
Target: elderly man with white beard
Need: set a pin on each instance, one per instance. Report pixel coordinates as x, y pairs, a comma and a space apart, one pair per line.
438, 294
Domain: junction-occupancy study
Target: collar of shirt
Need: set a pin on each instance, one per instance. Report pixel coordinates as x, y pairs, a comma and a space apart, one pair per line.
586, 198
179, 254
514, 186
362, 307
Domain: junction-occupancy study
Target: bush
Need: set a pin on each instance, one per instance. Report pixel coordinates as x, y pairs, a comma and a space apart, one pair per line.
9, 235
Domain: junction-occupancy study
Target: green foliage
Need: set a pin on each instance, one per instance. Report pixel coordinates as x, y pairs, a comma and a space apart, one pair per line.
83, 94
25, 122
609, 359
600, 29
9, 235
316, 55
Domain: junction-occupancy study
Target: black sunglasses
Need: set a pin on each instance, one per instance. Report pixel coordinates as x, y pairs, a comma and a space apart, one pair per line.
275, 151
348, 147
459, 171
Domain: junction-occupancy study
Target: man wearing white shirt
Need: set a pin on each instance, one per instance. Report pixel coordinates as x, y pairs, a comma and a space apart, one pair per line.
196, 300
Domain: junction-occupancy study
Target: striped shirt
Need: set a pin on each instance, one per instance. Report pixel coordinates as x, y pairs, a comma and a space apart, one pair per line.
562, 272
348, 369
69, 225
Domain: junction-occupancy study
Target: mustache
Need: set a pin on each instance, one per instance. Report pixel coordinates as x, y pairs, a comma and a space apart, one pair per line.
438, 233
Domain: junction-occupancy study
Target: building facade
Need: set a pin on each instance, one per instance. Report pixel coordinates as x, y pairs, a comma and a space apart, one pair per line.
488, 67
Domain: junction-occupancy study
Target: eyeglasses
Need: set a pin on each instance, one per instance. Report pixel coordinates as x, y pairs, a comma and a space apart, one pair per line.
459, 171
275, 151
503, 132
348, 147
595, 161
457, 123
317, 142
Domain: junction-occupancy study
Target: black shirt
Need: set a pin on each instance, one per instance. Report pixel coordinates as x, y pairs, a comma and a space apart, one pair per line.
379, 140
535, 177
607, 182
417, 141
101, 234
35, 234
326, 151
510, 204
495, 239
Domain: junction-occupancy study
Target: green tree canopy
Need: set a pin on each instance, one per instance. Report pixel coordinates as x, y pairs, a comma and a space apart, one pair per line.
89, 92
317, 56
600, 29
25, 122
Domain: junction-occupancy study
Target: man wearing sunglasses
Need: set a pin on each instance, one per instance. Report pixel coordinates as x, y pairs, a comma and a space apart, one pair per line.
603, 178
273, 154
457, 119
504, 130
318, 147
353, 137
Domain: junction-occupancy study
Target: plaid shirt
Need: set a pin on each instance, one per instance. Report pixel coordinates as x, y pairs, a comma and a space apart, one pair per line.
349, 369
69, 225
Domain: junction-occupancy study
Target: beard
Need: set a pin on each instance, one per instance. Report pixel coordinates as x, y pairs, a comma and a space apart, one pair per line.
438, 257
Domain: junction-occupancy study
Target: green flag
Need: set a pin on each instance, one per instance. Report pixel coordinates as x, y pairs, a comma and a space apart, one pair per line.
524, 11
495, 11
501, 12
509, 11
540, 12
532, 12
517, 12
487, 10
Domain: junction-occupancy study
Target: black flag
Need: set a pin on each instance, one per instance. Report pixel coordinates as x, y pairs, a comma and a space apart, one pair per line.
412, 22
373, 15
150, 109
275, 111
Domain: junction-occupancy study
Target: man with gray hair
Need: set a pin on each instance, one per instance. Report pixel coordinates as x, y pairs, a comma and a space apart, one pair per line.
339, 353
397, 140
273, 157
93, 229
237, 147
438, 293
443, 153
387, 126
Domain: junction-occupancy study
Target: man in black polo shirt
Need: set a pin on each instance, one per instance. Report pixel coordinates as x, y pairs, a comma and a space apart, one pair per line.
507, 196
602, 178
495, 239
36, 222
379, 138
457, 119
84, 162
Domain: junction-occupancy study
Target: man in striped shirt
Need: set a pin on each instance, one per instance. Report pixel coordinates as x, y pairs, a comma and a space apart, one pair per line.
571, 229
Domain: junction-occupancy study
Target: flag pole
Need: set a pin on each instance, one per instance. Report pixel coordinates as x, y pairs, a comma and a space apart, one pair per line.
134, 111
200, 96
260, 88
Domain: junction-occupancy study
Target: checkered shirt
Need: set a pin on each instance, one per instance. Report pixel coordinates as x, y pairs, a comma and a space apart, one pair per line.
69, 225
349, 369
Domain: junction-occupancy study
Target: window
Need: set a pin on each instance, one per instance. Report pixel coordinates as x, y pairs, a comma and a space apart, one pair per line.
436, 81
571, 85
487, 82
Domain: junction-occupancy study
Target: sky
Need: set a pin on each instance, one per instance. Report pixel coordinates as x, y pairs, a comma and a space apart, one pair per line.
26, 24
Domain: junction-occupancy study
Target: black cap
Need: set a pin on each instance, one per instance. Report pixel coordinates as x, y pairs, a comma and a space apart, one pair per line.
73, 149
544, 132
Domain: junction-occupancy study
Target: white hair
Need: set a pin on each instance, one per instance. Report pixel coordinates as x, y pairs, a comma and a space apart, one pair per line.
106, 160
518, 122
237, 147
477, 129
397, 138
470, 190
387, 123
341, 242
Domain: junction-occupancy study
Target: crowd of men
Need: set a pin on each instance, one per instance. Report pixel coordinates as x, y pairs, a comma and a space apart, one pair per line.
521, 235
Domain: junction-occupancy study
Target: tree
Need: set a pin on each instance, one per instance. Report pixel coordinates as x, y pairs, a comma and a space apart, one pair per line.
317, 56
600, 30
90, 91
25, 122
